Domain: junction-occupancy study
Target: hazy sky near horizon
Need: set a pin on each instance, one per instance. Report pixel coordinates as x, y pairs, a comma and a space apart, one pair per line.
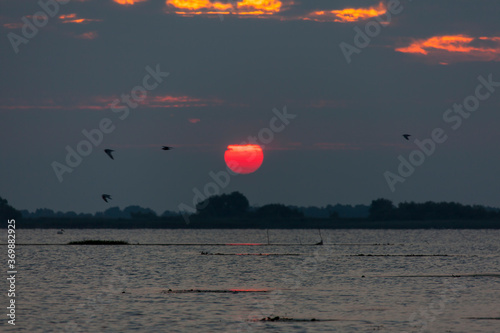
226, 75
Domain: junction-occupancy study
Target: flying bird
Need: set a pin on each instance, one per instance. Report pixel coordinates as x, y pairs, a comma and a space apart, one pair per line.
109, 152
105, 197
407, 136
167, 148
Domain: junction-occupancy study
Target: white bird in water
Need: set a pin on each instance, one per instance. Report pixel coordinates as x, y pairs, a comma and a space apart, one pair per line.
109, 152
105, 197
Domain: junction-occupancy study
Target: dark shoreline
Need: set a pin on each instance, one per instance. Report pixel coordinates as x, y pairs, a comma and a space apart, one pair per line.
246, 223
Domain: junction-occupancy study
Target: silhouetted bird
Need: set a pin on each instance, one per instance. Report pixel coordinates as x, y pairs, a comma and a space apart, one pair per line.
167, 148
407, 136
109, 151
105, 197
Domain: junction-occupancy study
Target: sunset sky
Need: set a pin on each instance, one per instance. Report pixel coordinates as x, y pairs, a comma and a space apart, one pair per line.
234, 68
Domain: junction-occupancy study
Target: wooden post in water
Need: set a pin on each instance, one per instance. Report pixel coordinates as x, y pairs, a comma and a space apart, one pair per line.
320, 237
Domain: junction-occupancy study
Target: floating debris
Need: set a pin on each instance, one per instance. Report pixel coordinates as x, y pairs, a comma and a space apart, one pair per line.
495, 275
278, 318
248, 254
98, 242
483, 318
232, 291
403, 255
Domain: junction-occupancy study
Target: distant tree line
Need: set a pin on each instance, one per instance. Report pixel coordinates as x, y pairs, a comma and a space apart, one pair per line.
130, 212
235, 206
335, 211
384, 210
8, 212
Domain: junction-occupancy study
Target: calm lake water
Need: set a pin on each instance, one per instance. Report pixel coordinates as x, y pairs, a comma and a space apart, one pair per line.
358, 281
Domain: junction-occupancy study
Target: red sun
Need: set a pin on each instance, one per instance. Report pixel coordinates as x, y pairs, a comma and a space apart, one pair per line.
243, 159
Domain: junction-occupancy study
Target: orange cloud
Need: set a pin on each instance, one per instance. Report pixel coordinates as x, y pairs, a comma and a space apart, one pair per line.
194, 120
87, 35
455, 48
259, 7
199, 5
174, 99
178, 102
347, 14
128, 2
165, 101
106, 102
72, 18
213, 7
17, 25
